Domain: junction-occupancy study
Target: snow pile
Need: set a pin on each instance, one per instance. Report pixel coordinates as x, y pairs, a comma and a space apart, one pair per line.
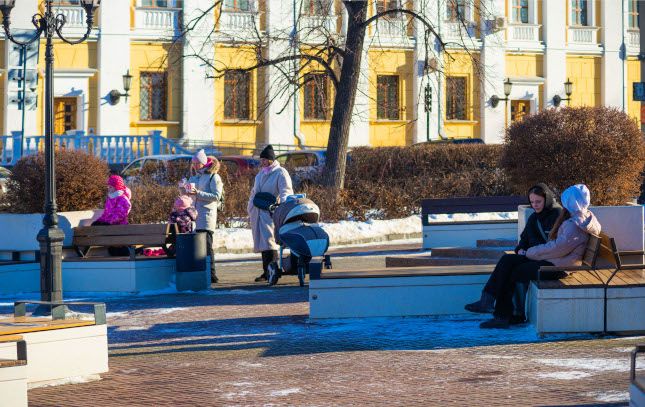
463, 217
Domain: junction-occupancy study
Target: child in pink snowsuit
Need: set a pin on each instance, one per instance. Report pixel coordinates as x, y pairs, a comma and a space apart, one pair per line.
117, 204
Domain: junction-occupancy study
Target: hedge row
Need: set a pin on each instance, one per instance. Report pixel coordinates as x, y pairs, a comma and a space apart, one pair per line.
598, 146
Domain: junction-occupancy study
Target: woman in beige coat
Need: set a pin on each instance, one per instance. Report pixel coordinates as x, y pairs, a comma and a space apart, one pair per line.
275, 180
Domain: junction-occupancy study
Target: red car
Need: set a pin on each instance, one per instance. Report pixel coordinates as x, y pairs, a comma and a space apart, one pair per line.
239, 164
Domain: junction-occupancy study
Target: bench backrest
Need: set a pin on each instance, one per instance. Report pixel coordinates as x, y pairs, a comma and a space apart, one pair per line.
590, 256
475, 204
123, 234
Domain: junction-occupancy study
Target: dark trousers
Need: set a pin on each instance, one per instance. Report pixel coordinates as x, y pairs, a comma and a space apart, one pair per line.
209, 248
511, 270
268, 256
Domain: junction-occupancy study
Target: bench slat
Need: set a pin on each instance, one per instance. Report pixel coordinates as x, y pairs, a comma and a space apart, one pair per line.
122, 230
129, 240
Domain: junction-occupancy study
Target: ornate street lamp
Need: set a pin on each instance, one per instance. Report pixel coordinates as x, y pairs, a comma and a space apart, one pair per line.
508, 87
50, 236
568, 90
114, 96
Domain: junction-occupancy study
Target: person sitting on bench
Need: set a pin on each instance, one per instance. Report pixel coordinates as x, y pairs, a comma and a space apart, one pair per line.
537, 229
566, 245
117, 209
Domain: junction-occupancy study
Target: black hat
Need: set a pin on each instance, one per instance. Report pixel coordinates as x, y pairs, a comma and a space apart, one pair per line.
268, 153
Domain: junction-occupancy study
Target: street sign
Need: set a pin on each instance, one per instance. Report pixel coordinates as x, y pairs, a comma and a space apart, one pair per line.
639, 91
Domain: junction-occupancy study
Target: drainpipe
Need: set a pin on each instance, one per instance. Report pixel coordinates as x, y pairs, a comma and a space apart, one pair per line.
623, 55
295, 70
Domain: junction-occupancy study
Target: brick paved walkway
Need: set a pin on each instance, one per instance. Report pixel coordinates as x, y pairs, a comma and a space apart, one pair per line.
252, 345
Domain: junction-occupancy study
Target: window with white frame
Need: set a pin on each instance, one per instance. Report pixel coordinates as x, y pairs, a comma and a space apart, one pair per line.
520, 11
633, 9
456, 10
579, 12
238, 5
161, 3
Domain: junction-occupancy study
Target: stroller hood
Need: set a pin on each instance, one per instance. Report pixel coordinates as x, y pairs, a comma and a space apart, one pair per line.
296, 209
304, 239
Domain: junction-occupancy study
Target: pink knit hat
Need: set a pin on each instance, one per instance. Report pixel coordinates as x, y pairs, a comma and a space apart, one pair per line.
117, 183
183, 202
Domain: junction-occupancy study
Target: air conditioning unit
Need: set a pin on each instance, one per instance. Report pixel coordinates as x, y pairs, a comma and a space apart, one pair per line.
499, 23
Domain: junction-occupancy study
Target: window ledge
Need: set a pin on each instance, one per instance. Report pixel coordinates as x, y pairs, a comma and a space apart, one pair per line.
386, 121
156, 122
461, 121
236, 121
315, 121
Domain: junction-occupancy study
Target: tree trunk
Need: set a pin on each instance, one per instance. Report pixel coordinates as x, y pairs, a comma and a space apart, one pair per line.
334, 174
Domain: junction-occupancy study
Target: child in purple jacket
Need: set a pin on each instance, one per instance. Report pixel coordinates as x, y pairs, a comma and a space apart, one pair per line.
183, 214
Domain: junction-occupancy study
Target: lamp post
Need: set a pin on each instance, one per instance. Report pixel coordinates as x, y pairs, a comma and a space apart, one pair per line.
50, 236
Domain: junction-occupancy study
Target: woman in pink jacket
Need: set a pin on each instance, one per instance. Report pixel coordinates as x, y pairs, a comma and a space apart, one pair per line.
565, 247
117, 209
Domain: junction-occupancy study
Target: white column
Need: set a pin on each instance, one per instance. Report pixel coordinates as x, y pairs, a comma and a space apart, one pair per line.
359, 128
493, 119
278, 119
20, 22
198, 96
114, 62
612, 81
555, 57
426, 123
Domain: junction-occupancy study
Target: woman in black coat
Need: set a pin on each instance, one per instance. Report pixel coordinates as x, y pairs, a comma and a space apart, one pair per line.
536, 232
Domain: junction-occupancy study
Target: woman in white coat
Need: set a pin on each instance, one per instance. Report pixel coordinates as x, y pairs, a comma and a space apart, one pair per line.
207, 193
275, 180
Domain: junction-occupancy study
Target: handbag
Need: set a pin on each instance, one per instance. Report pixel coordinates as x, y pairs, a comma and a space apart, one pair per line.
264, 201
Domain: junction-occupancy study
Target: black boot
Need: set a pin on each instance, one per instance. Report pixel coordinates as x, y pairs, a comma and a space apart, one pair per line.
485, 305
267, 258
214, 279
495, 323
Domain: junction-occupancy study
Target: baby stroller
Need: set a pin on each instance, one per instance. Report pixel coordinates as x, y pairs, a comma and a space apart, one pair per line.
296, 225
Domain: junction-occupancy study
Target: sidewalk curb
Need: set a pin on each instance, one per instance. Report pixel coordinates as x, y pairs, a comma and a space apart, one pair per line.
375, 239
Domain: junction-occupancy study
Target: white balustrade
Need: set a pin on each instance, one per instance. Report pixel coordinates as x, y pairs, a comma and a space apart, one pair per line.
317, 29
157, 21
583, 35
74, 16
457, 30
634, 38
392, 27
239, 23
524, 32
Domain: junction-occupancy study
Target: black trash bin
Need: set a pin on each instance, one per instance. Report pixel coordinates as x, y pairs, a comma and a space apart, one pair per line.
191, 252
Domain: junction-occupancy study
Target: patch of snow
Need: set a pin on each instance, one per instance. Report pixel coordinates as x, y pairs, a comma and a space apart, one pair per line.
570, 375
163, 311
285, 392
599, 365
68, 380
249, 364
243, 384
117, 314
611, 396
484, 216
129, 371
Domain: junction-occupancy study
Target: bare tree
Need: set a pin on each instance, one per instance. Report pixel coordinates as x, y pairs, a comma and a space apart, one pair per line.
338, 56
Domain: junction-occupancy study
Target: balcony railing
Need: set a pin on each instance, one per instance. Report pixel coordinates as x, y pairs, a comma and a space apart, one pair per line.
392, 27
239, 24
524, 32
158, 21
457, 30
75, 20
634, 38
317, 28
583, 35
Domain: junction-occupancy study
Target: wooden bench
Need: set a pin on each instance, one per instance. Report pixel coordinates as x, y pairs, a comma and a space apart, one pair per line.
131, 236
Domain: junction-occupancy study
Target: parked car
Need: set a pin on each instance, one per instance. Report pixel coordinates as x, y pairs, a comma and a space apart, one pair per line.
305, 167
163, 162
4, 178
239, 164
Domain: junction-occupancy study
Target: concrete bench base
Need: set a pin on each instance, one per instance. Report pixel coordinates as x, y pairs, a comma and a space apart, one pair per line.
353, 295
466, 234
63, 354
581, 310
104, 275
13, 385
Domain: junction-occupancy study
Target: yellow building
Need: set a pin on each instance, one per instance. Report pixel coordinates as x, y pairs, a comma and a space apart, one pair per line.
203, 86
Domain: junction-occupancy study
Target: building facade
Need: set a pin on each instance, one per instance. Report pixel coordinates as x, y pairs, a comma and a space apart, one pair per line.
410, 89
